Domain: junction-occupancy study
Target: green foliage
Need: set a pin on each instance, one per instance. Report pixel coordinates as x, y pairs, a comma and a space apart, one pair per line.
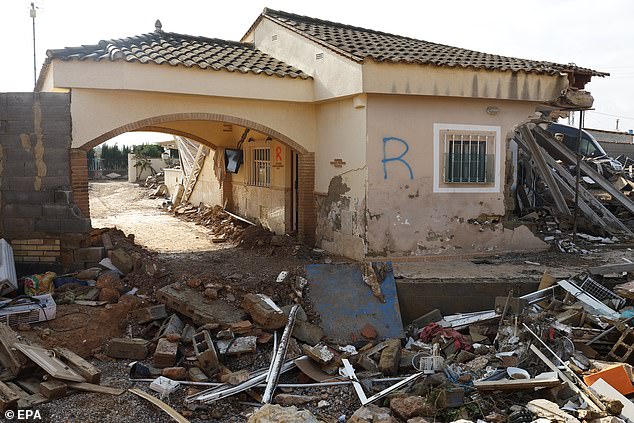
148, 150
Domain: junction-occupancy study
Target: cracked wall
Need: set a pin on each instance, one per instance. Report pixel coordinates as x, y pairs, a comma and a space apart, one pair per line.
341, 177
406, 216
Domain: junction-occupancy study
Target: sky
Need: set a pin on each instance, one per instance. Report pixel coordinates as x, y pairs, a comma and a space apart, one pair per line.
590, 33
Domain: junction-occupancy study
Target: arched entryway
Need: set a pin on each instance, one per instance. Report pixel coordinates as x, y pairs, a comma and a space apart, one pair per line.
275, 185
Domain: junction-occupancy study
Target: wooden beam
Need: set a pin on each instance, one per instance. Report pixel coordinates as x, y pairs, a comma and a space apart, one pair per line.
49, 363
555, 148
596, 208
543, 169
84, 368
10, 358
160, 404
8, 398
585, 394
89, 387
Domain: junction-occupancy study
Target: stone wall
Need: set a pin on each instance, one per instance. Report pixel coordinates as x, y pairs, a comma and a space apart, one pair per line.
36, 196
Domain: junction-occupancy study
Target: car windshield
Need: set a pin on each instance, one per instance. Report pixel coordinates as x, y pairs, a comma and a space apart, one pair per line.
568, 135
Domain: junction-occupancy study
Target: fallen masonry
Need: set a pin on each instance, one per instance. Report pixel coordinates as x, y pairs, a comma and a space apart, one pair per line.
199, 343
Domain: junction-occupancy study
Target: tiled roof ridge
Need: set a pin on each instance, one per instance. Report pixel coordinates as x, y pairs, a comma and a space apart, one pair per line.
147, 36
512, 63
271, 12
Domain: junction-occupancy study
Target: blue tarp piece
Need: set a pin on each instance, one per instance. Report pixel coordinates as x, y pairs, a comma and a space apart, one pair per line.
346, 304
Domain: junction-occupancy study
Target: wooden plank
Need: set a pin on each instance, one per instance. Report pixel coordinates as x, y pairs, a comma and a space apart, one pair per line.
89, 387
543, 169
583, 393
30, 385
49, 363
515, 385
53, 389
590, 205
563, 153
10, 358
611, 268
8, 398
160, 404
84, 368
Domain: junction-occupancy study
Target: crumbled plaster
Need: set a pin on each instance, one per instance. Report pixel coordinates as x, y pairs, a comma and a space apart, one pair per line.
39, 145
38, 150
341, 224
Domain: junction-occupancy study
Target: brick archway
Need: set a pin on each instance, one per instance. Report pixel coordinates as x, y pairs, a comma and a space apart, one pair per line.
154, 122
306, 163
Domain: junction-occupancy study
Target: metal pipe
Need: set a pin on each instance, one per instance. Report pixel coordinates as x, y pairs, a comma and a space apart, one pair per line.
281, 385
274, 373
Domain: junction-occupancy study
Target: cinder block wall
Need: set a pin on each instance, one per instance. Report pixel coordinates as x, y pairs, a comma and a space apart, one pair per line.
36, 195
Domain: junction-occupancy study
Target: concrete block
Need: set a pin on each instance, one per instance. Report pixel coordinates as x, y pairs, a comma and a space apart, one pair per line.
264, 311
205, 351
78, 225
48, 226
57, 211
242, 345
122, 260
307, 332
13, 196
148, 314
17, 225
133, 349
22, 210
90, 254
165, 353
52, 182
53, 389
197, 375
427, 318
390, 357
19, 183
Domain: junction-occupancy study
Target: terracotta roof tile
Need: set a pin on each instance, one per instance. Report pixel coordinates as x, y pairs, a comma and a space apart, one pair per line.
182, 50
360, 44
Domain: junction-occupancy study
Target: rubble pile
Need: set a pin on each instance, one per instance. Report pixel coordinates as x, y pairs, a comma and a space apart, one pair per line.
548, 191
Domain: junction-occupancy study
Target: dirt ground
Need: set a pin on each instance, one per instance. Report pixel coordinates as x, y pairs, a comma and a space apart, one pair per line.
185, 250
127, 207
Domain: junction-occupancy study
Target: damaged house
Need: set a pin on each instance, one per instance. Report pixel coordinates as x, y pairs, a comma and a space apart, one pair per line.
372, 145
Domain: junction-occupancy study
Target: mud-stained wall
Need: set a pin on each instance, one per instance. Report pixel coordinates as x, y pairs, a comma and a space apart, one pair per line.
35, 194
406, 216
341, 177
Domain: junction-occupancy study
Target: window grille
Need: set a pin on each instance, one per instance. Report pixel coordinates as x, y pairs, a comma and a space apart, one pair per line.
260, 175
467, 159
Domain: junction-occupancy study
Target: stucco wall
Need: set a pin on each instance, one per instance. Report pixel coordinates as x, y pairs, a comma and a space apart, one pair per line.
334, 75
173, 177
207, 189
340, 176
99, 112
405, 216
136, 173
271, 206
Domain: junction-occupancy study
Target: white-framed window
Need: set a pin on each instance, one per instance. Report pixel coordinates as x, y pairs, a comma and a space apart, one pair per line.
259, 166
466, 158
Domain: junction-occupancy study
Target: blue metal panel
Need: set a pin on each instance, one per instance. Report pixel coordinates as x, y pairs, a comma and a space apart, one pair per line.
346, 304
